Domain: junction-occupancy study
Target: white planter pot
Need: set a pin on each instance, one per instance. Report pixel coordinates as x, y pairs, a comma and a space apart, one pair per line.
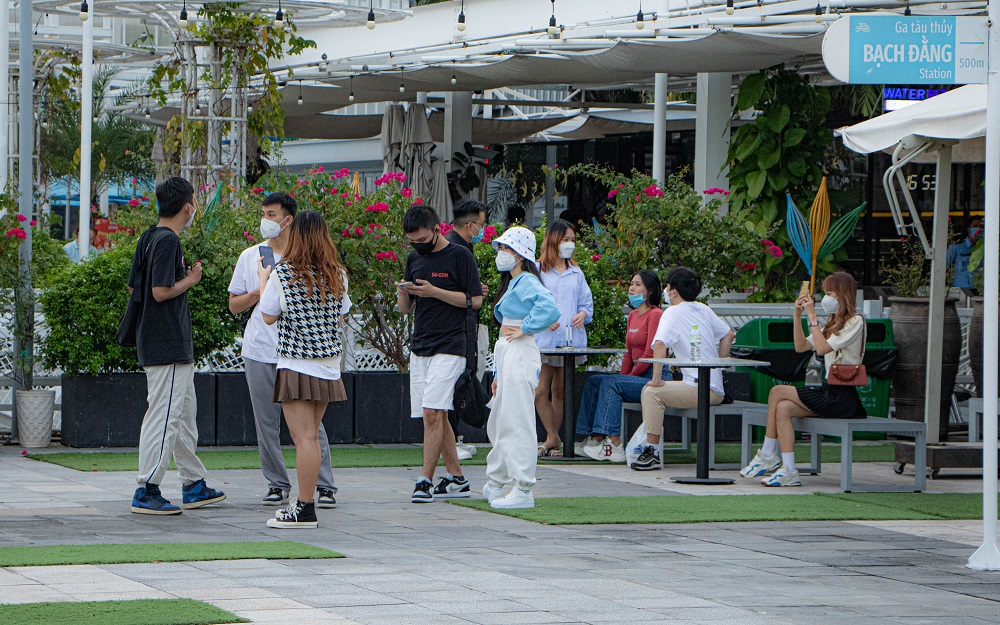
34, 417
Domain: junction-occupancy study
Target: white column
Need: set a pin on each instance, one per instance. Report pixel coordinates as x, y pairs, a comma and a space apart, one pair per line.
939, 288
660, 128
86, 131
712, 123
104, 202
987, 557
4, 90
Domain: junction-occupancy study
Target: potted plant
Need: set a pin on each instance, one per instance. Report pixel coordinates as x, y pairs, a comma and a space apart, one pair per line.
34, 406
909, 312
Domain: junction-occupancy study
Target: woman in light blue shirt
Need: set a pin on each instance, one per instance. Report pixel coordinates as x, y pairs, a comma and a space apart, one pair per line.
561, 275
524, 307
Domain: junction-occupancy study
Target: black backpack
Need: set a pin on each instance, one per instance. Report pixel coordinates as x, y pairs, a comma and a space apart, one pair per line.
471, 396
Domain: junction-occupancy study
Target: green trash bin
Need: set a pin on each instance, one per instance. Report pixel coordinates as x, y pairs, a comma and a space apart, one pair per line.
771, 340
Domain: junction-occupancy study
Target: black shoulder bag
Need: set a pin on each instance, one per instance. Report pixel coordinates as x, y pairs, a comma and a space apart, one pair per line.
130, 320
470, 394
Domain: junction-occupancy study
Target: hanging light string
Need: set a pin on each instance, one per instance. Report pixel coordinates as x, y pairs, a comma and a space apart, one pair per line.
350, 98
729, 7
300, 93
461, 18
553, 28
640, 19
183, 21
279, 17
371, 15
84, 12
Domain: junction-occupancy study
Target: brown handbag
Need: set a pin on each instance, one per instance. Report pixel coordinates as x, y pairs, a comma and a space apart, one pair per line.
850, 375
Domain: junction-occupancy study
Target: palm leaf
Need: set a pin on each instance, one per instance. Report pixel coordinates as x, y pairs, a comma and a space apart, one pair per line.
798, 232
841, 231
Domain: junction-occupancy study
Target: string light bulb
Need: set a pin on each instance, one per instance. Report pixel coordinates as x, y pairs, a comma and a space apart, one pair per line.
640, 19
371, 15
350, 97
197, 108
819, 14
454, 79
907, 12
147, 113
183, 20
249, 108
300, 94
84, 11
279, 17
461, 19
729, 7
553, 28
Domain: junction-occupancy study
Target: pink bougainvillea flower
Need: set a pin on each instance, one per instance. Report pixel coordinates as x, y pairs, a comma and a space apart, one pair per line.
345, 195
144, 198
767, 243
257, 190
135, 181
33, 223
417, 202
17, 233
22, 218
303, 182
378, 236
202, 188
612, 193
345, 233
348, 203
775, 251
133, 202
406, 192
595, 257
358, 231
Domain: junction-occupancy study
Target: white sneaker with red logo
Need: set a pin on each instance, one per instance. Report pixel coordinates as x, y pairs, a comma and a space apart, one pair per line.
606, 451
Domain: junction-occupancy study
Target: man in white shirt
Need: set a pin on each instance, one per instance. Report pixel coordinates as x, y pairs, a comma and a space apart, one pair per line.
683, 318
260, 356
73, 247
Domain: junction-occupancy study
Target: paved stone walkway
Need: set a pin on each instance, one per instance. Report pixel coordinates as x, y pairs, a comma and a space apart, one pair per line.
439, 563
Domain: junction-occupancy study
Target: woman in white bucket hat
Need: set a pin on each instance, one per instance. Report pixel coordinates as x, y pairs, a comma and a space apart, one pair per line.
524, 307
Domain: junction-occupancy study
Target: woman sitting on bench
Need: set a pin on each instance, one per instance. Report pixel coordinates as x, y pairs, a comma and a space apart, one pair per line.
839, 341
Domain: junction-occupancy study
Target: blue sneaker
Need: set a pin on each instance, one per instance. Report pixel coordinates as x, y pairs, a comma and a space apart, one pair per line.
199, 494
149, 501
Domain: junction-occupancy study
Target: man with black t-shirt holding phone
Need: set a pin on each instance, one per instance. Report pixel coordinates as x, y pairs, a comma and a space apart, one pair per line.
166, 352
440, 285
260, 355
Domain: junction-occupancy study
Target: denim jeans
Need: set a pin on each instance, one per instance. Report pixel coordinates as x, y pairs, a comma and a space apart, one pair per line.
601, 404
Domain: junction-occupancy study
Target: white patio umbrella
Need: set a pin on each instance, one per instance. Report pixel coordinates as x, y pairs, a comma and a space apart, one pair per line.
392, 137
952, 124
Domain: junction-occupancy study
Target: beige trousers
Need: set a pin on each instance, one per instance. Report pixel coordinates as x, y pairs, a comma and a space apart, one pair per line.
655, 399
169, 428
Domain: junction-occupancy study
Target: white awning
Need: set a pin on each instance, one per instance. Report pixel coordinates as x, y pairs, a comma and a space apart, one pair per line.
957, 115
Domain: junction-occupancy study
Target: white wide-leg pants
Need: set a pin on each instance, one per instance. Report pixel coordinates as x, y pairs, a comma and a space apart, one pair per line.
511, 427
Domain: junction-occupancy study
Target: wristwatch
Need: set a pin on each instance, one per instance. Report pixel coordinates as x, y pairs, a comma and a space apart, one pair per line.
814, 324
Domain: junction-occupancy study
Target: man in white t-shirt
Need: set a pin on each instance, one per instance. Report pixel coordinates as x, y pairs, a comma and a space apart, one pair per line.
683, 318
260, 356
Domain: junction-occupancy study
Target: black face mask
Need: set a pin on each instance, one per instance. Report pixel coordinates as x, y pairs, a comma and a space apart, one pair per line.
425, 248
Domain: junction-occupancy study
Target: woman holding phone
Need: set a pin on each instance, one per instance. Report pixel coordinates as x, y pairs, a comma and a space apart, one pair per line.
840, 341
524, 307
306, 295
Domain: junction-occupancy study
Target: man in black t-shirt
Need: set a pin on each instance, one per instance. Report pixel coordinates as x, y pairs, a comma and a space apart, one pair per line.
166, 352
440, 284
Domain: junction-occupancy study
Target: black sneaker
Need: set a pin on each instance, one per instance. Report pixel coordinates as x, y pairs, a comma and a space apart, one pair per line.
274, 497
422, 492
325, 498
297, 515
648, 460
452, 487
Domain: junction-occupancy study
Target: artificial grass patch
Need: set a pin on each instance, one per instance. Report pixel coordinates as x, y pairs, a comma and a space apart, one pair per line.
162, 552
728, 508
362, 457
145, 611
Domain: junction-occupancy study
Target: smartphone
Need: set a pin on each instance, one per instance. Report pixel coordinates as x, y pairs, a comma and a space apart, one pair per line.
406, 284
267, 255
804, 291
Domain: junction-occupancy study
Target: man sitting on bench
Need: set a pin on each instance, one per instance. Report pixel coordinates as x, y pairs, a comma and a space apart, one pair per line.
684, 320
840, 341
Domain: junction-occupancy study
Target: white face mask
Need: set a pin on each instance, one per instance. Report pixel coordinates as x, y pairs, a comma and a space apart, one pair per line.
270, 229
830, 304
191, 221
566, 250
505, 261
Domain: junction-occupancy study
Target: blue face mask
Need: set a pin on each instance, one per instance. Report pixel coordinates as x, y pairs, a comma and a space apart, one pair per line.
636, 300
478, 237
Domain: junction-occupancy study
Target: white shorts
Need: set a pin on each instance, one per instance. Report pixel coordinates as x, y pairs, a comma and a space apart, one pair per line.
432, 382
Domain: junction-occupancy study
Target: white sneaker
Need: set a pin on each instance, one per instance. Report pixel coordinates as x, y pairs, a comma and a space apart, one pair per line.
491, 491
782, 477
580, 449
761, 465
516, 498
465, 452
606, 450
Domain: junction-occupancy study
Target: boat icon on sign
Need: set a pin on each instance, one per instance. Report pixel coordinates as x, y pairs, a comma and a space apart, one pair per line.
862, 27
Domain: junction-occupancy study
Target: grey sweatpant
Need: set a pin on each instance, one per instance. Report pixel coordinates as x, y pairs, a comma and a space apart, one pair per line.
267, 418
169, 427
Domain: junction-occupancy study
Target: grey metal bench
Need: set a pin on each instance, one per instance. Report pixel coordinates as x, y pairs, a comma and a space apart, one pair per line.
689, 416
845, 430
974, 410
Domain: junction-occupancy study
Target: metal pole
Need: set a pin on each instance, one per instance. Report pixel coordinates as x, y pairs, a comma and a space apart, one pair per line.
660, 128
24, 309
4, 90
86, 132
939, 287
987, 557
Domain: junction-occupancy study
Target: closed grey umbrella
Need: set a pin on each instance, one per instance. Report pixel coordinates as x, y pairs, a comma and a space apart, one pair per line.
392, 138
417, 146
440, 195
